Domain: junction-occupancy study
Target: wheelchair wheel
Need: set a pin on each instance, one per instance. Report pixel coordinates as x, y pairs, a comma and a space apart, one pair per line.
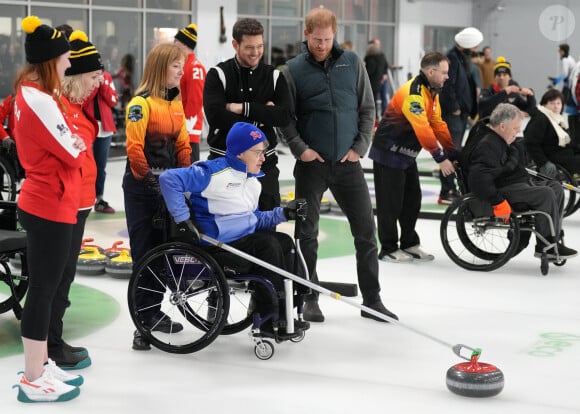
241, 307
475, 240
264, 350
7, 179
186, 284
15, 291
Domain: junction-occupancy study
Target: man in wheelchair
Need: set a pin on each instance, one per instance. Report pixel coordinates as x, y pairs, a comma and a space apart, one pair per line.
223, 195
497, 175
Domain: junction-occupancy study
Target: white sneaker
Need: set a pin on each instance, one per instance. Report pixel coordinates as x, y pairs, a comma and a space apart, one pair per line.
45, 389
63, 376
419, 254
398, 256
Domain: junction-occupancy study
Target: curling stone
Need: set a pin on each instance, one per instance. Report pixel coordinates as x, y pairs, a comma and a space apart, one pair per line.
120, 266
115, 250
324, 203
92, 262
475, 379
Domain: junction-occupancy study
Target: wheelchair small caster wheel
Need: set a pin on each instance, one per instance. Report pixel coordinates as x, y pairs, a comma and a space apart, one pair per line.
560, 262
544, 266
264, 350
298, 338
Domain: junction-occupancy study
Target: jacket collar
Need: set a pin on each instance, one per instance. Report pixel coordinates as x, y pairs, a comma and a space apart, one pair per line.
240, 166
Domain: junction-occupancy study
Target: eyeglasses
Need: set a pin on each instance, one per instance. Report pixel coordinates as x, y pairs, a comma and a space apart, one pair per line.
259, 153
445, 72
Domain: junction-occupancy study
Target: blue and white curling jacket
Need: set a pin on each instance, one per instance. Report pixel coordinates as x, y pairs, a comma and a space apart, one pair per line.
224, 198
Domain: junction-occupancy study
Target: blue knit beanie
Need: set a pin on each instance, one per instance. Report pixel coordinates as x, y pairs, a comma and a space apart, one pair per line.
243, 136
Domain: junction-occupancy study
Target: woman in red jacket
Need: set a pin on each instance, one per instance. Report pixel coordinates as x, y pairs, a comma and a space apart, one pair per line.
52, 156
81, 79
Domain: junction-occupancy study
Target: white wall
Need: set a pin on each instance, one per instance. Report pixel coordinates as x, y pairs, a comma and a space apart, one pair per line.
527, 44
209, 50
412, 17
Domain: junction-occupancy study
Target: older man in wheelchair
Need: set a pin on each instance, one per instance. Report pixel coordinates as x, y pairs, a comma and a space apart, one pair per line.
497, 175
223, 204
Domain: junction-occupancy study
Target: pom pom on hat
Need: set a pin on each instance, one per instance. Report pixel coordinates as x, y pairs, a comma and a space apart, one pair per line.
188, 36
502, 66
84, 57
43, 42
469, 38
241, 137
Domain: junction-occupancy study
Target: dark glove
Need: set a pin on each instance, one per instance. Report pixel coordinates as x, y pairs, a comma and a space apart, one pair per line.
297, 208
8, 144
151, 182
187, 232
549, 169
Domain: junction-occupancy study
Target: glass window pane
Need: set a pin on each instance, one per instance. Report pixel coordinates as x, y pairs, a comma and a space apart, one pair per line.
355, 33
119, 3
11, 46
356, 10
287, 36
65, 1
253, 7
55, 16
117, 34
333, 5
161, 28
382, 11
290, 8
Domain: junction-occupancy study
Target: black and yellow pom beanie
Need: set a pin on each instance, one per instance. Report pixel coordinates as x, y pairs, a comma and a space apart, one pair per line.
43, 42
84, 57
188, 36
502, 66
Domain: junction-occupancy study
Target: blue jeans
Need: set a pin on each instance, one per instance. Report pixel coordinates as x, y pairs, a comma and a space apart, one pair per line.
101, 153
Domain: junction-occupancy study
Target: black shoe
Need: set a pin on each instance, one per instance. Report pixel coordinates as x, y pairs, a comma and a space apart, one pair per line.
163, 323
79, 350
563, 252
298, 325
312, 312
66, 360
379, 307
140, 343
267, 330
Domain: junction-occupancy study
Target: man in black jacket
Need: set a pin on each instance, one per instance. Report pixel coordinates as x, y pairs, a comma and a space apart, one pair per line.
459, 97
505, 90
497, 175
244, 89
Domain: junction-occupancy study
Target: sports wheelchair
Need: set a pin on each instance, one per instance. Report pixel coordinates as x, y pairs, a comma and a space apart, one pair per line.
475, 239
209, 294
11, 173
13, 286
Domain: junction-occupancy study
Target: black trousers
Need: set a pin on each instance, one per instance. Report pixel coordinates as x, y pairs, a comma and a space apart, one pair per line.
398, 198
142, 205
274, 248
61, 300
48, 245
347, 183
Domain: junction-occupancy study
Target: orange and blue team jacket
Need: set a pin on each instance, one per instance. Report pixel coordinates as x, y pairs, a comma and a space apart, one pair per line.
191, 86
157, 138
412, 122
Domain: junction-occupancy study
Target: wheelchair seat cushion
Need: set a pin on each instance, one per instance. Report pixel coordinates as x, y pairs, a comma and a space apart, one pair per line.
231, 261
12, 241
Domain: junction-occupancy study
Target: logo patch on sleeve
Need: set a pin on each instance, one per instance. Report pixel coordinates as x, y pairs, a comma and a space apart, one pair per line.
416, 108
135, 113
